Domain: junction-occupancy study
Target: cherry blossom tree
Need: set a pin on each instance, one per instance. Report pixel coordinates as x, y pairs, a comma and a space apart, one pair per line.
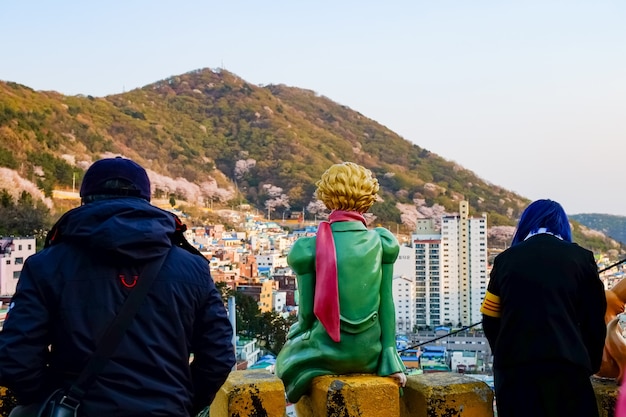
276, 198
242, 167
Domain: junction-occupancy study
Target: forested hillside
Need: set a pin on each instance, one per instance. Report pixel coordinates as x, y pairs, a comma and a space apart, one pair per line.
209, 137
226, 136
611, 225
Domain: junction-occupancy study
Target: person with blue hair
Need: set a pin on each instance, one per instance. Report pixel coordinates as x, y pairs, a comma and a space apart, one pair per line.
540, 214
543, 316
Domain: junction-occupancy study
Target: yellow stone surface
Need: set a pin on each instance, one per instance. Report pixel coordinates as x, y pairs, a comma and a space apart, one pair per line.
7, 402
261, 394
606, 390
250, 394
351, 396
446, 394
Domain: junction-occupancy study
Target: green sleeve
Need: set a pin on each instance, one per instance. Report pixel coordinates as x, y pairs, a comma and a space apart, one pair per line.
390, 361
391, 247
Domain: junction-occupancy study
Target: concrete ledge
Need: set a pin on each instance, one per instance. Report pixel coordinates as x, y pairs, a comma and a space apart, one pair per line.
351, 396
250, 394
606, 390
7, 402
258, 393
446, 394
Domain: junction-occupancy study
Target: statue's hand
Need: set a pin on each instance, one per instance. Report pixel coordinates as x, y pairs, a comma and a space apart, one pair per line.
400, 378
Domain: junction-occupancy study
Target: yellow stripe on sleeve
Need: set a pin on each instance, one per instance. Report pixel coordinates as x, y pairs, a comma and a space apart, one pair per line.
491, 305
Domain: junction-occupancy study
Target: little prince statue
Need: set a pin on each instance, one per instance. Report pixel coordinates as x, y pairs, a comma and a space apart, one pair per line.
346, 316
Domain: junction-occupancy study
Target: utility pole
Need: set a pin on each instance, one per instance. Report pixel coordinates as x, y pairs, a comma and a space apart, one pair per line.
232, 317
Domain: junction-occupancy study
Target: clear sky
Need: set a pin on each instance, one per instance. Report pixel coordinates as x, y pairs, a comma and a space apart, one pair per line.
530, 95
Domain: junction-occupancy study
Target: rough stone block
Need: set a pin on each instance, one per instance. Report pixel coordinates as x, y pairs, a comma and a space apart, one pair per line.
351, 396
255, 393
606, 390
446, 395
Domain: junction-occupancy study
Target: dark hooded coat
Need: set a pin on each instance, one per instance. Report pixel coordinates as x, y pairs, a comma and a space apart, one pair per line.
69, 292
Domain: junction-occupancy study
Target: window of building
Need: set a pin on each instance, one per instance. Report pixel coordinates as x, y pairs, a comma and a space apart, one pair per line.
19, 247
8, 262
16, 274
19, 261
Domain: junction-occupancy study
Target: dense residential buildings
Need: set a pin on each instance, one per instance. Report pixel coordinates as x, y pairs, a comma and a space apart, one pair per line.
269, 261
262, 292
439, 281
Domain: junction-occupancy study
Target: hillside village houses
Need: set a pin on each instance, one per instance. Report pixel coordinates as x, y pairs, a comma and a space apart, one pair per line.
440, 277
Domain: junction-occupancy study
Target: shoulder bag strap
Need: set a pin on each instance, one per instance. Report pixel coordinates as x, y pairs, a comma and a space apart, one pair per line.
114, 333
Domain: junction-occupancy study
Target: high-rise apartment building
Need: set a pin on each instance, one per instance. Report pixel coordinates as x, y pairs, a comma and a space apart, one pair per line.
450, 269
426, 243
403, 288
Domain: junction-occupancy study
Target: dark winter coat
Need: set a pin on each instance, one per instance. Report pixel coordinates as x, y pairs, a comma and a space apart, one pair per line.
544, 320
552, 305
69, 293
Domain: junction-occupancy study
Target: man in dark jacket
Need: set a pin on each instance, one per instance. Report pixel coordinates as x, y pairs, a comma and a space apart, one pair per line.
69, 293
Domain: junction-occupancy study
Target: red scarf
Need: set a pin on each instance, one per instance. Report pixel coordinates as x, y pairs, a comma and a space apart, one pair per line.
326, 300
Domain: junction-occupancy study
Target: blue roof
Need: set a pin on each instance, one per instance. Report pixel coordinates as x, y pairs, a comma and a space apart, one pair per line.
435, 348
261, 365
432, 355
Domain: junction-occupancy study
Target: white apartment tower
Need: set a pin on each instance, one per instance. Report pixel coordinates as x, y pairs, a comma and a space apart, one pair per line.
426, 244
452, 266
403, 287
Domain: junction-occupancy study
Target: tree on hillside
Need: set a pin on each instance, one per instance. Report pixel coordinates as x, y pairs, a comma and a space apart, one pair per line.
269, 328
25, 217
248, 314
225, 291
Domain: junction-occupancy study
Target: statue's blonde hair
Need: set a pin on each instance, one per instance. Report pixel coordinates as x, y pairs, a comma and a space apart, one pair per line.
347, 186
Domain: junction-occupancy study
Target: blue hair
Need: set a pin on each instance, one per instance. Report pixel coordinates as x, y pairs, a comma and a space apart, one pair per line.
543, 214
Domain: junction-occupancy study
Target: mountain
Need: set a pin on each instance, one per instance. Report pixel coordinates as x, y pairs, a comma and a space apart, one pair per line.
611, 225
212, 127
209, 137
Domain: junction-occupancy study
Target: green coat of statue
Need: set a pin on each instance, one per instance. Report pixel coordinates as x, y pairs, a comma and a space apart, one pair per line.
346, 316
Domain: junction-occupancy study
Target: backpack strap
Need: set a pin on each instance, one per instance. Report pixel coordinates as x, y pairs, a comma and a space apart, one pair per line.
180, 240
113, 335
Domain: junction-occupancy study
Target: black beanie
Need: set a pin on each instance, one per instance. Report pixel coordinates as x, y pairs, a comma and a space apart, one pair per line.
115, 168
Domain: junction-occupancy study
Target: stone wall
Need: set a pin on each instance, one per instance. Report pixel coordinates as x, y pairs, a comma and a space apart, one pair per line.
261, 394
